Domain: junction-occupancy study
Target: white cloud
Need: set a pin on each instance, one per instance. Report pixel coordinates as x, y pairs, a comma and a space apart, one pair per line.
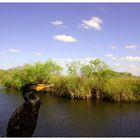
3, 52
114, 58
102, 9
94, 22
57, 22
86, 60
126, 58
134, 69
69, 60
111, 56
132, 66
131, 58
113, 47
117, 64
14, 50
65, 38
130, 47
38, 53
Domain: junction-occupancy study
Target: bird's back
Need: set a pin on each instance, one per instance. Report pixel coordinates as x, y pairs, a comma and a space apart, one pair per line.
23, 121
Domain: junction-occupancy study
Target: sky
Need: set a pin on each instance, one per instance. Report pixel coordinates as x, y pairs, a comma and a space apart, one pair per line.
31, 32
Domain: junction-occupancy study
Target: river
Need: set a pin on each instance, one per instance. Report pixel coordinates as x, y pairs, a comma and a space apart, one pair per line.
60, 117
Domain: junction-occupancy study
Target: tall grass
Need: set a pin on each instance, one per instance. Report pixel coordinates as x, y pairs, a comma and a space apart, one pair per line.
122, 89
83, 81
72, 87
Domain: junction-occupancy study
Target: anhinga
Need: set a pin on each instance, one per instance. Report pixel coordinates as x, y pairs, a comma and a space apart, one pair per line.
24, 119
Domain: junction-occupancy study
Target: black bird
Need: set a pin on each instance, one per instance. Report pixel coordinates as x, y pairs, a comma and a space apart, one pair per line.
24, 119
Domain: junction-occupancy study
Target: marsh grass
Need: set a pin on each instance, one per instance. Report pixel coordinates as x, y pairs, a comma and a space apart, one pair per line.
72, 87
118, 89
96, 80
122, 89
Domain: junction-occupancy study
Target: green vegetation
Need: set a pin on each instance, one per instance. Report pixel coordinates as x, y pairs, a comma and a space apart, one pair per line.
93, 80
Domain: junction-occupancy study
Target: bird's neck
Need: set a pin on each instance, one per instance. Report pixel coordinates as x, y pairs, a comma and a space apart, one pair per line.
33, 105
34, 101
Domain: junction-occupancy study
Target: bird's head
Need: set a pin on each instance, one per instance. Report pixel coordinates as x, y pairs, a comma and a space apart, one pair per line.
29, 90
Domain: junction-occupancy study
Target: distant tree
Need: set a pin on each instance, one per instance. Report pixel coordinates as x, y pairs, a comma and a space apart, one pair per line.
73, 68
94, 67
125, 74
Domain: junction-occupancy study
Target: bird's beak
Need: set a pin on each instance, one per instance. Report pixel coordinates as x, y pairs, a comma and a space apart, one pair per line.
41, 87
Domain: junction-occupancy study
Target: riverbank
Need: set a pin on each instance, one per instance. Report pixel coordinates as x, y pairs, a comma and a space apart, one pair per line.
119, 89
96, 80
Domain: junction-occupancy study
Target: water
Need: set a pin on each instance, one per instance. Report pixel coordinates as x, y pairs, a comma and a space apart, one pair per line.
61, 117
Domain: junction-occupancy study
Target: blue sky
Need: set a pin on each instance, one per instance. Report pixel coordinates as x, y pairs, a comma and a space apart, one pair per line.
31, 32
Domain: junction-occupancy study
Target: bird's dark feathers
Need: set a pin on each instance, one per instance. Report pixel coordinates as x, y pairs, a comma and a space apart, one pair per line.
23, 120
